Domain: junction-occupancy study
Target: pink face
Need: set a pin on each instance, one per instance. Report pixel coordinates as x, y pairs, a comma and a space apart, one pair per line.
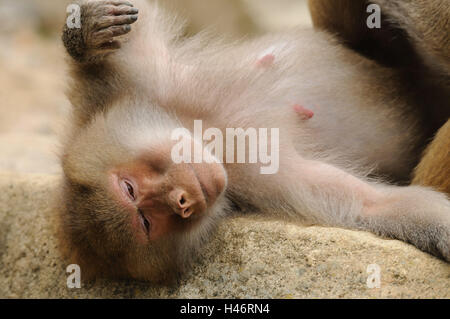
163, 200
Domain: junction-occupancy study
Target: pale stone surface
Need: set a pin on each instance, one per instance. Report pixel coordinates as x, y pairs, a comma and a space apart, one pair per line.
249, 257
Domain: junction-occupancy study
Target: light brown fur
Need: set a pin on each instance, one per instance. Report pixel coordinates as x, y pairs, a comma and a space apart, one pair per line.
414, 38
434, 169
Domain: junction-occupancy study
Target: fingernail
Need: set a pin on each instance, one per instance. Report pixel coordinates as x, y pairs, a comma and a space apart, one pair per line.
134, 11
134, 18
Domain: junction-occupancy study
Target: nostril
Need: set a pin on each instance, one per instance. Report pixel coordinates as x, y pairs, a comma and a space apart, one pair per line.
182, 200
187, 212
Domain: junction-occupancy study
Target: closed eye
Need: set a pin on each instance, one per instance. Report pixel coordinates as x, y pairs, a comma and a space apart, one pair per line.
145, 222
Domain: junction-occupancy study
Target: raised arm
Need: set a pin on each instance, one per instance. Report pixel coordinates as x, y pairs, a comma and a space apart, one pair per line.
112, 49
97, 80
101, 23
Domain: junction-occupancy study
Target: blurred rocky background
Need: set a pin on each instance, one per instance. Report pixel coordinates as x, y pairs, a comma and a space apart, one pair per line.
32, 68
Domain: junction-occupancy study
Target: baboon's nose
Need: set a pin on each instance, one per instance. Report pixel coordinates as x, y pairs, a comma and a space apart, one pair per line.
186, 204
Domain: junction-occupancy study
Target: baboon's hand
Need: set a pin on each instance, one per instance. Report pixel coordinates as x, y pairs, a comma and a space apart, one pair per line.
101, 23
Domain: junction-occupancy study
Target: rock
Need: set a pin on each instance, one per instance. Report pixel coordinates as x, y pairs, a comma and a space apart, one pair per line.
249, 258
29, 153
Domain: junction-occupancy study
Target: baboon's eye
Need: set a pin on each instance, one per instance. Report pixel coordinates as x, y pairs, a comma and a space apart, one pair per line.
130, 190
146, 224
